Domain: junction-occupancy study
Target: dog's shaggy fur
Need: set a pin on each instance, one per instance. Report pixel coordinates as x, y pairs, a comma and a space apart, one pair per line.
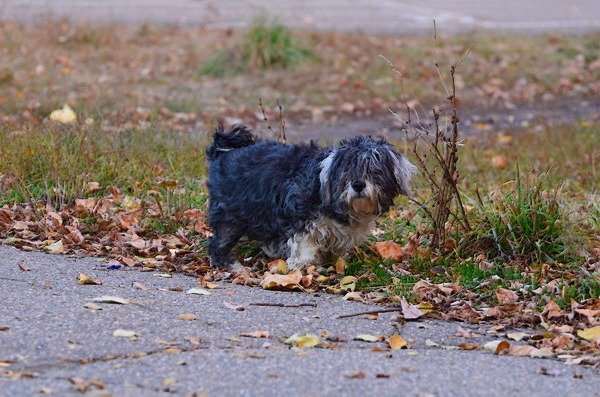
306, 204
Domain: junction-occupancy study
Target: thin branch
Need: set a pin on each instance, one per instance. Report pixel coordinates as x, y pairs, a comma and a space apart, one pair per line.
397, 309
283, 304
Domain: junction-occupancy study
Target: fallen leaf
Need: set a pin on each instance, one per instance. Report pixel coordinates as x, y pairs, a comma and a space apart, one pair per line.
410, 311
303, 341
340, 266
590, 334
282, 281
552, 310
506, 296
111, 299
138, 285
518, 336
56, 247
24, 267
66, 115
388, 250
278, 266
496, 346
197, 291
520, 350
256, 334
356, 375
187, 317
468, 346
353, 296
369, 338
84, 279
124, 333
92, 306
397, 342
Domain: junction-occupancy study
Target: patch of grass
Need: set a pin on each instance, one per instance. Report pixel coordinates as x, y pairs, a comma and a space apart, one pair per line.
54, 163
266, 45
522, 221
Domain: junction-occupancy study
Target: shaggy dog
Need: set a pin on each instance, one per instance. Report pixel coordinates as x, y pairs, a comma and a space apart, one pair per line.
305, 203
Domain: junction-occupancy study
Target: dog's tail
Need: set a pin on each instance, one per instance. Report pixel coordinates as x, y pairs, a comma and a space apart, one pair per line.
224, 141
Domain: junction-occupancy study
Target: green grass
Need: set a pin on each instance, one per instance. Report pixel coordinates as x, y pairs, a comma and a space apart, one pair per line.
54, 163
266, 45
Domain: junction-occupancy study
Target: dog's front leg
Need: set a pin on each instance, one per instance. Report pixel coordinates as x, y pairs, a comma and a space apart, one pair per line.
303, 251
220, 245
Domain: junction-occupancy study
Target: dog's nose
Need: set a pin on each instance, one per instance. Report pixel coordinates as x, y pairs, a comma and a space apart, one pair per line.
358, 186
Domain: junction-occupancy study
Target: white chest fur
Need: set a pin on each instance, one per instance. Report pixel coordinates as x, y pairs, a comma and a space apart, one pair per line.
324, 238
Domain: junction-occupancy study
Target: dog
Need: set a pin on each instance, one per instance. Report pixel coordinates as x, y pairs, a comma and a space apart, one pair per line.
307, 204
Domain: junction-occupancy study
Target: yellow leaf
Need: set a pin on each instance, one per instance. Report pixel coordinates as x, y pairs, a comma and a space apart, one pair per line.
348, 283
303, 341
84, 279
397, 342
278, 266
66, 115
590, 333
187, 317
56, 248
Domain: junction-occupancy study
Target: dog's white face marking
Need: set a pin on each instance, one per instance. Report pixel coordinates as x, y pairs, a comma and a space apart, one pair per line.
403, 171
325, 237
325, 168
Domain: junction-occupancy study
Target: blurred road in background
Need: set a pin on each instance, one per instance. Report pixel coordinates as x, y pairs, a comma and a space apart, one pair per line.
382, 16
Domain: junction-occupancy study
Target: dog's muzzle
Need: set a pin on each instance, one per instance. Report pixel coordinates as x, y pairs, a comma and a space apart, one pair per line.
360, 198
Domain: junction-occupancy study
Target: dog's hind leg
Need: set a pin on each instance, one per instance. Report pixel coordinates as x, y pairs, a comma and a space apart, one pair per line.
220, 245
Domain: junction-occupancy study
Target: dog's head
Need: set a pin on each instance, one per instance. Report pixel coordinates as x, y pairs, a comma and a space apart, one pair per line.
361, 177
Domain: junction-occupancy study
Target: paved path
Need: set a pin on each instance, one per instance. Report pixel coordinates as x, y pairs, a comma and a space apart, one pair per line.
381, 16
52, 337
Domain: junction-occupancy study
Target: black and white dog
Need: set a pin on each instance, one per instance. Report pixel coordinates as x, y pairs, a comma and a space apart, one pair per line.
305, 203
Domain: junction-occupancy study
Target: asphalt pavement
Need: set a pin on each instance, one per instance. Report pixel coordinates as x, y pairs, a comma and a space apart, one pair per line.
51, 343
381, 16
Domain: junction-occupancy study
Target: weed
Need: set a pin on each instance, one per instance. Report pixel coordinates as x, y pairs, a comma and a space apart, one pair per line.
523, 222
266, 45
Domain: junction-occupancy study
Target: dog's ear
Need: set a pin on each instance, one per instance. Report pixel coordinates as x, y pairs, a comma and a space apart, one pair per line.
403, 171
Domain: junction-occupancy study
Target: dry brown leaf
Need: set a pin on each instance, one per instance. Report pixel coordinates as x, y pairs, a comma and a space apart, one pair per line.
410, 311
468, 346
388, 250
282, 281
521, 350
506, 296
552, 310
187, 317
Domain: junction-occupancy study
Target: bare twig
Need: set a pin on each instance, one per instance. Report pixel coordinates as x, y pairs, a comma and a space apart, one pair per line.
392, 310
283, 304
281, 123
264, 114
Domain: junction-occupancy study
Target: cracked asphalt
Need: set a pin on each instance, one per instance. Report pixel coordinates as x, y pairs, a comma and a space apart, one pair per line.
47, 337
